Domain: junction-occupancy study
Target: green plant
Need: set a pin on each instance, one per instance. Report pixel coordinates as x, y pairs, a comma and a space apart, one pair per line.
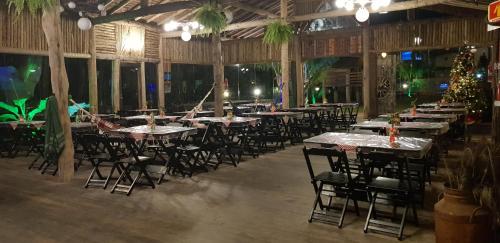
278, 33
20, 106
476, 173
210, 16
32, 5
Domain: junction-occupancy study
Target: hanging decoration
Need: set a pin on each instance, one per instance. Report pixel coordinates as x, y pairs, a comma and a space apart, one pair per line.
84, 23
362, 13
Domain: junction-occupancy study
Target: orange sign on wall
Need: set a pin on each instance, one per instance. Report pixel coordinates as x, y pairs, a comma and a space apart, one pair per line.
494, 12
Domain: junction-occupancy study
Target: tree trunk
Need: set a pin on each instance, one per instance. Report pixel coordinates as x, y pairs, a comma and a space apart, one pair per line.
285, 76
218, 75
51, 23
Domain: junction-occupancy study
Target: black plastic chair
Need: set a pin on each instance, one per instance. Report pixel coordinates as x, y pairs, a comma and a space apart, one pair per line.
341, 182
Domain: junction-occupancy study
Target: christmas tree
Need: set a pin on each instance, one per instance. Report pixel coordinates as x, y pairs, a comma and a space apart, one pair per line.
464, 86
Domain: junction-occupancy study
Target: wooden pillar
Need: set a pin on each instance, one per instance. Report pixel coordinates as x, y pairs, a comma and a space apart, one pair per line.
92, 73
299, 70
348, 87
115, 85
369, 79
218, 75
495, 123
161, 79
143, 103
285, 64
324, 100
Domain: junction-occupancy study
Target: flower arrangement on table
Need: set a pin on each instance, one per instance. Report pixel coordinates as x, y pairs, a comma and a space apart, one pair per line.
393, 131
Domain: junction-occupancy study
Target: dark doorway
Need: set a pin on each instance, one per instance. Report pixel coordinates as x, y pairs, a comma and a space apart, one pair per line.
129, 73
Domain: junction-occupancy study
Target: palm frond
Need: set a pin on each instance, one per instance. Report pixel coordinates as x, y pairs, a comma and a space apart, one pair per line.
33, 5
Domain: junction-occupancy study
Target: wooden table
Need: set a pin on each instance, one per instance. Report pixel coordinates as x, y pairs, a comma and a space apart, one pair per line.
442, 105
412, 147
146, 117
199, 113
433, 128
158, 132
334, 104
224, 120
450, 118
459, 111
15, 124
273, 114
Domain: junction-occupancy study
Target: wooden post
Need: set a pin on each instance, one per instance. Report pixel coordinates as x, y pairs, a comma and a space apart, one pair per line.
115, 85
161, 79
285, 64
299, 70
51, 24
324, 100
92, 70
495, 123
143, 103
218, 74
348, 87
369, 80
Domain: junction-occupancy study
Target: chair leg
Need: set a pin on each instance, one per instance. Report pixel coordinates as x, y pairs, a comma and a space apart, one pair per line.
402, 225
341, 220
370, 211
318, 195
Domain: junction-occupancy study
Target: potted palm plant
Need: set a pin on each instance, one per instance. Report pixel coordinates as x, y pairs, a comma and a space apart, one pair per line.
468, 210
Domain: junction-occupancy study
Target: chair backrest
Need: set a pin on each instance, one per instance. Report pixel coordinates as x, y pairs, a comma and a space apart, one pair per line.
382, 159
337, 159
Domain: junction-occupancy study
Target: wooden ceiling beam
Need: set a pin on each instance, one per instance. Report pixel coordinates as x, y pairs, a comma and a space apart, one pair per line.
118, 6
462, 4
399, 6
252, 9
155, 9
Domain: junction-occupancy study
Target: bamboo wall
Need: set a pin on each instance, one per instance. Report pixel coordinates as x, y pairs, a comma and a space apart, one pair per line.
247, 51
23, 34
332, 43
176, 50
435, 34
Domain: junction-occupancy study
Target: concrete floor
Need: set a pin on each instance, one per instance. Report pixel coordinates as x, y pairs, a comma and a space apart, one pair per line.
267, 199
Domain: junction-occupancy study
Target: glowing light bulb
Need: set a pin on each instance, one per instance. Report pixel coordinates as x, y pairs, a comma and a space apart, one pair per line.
186, 36
362, 14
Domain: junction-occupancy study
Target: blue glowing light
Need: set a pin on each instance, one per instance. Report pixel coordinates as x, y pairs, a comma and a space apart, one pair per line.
443, 86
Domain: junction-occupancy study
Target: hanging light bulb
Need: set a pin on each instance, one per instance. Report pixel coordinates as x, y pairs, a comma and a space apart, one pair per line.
101, 7
171, 26
385, 3
362, 14
84, 23
194, 25
349, 5
185, 28
61, 9
229, 16
186, 36
340, 3
71, 5
383, 54
375, 5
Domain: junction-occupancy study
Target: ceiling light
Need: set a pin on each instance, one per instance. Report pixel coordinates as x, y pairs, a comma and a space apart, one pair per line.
84, 23
101, 7
171, 26
186, 36
362, 14
71, 5
383, 54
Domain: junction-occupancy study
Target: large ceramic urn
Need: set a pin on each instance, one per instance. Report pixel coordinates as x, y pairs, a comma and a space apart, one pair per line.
458, 219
